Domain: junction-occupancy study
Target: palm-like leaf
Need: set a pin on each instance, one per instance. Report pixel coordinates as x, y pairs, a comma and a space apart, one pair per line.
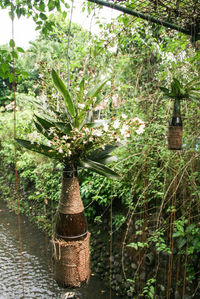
178, 91
99, 168
103, 155
65, 93
81, 91
42, 130
46, 124
96, 90
40, 148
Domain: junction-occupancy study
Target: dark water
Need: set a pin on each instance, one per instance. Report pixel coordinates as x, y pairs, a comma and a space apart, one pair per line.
37, 264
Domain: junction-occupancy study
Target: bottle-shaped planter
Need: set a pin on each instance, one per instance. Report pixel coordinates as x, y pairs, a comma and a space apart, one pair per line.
71, 243
71, 223
175, 128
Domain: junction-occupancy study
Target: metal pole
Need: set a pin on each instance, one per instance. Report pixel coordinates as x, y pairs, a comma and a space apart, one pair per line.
145, 17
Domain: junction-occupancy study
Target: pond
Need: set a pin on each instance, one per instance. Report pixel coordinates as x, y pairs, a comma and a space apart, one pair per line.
37, 264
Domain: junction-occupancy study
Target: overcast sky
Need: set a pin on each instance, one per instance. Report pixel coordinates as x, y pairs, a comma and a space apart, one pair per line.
24, 29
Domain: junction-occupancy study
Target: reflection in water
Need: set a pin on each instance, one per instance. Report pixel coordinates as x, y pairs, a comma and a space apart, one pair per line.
37, 264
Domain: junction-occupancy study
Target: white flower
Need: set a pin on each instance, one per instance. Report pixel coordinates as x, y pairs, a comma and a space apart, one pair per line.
90, 139
127, 134
10, 106
97, 133
115, 100
51, 130
69, 153
140, 130
124, 116
116, 124
124, 130
137, 119
105, 127
102, 106
60, 150
86, 130
81, 106
65, 137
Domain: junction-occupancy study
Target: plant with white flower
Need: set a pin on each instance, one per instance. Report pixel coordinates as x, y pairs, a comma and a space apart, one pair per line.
10, 106
72, 138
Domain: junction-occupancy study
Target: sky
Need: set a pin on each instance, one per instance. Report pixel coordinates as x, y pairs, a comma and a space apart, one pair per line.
24, 29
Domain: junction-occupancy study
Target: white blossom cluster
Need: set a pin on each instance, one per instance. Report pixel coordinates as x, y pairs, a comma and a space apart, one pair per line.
10, 106
81, 141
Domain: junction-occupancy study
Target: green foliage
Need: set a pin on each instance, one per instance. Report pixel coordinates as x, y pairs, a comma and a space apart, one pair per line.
149, 289
158, 194
65, 93
178, 91
95, 193
187, 237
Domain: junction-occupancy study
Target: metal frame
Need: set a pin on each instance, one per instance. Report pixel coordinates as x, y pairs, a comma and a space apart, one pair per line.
195, 35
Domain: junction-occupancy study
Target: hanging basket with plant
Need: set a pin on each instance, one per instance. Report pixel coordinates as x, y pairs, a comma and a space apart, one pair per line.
178, 92
72, 138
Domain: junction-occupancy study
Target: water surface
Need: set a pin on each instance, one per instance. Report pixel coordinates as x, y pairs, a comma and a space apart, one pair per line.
38, 280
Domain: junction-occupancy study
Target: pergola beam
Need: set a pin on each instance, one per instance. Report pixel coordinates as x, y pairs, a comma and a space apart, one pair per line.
147, 17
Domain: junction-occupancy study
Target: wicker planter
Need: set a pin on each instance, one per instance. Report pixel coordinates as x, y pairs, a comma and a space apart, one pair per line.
175, 137
72, 260
71, 238
175, 130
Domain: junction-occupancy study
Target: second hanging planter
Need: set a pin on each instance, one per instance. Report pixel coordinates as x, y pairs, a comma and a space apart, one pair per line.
175, 130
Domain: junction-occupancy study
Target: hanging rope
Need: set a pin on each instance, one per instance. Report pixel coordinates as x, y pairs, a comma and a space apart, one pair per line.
111, 202
15, 150
68, 43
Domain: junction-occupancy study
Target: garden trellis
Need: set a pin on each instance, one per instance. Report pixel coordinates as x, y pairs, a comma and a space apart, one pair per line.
183, 16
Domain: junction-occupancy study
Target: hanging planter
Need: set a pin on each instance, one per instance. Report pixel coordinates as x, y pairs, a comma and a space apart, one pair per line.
175, 128
76, 142
71, 239
178, 92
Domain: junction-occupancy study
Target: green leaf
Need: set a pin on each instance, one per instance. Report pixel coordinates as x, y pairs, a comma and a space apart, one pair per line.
99, 168
42, 5
177, 84
40, 148
11, 78
44, 123
51, 5
65, 93
64, 14
43, 16
81, 91
65, 128
19, 49
95, 91
102, 155
42, 130
167, 92
181, 243
133, 245
12, 43
4, 67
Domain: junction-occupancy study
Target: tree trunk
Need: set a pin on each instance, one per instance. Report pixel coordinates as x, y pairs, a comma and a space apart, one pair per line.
71, 241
